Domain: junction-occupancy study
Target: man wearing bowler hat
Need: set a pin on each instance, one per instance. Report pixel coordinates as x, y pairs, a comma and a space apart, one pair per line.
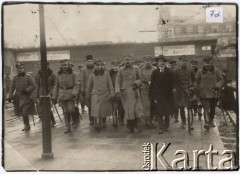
85, 76
22, 87
208, 82
161, 91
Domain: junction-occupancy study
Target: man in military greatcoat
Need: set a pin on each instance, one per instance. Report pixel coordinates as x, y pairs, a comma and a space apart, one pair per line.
208, 82
22, 87
117, 104
38, 90
127, 87
85, 76
184, 79
66, 90
148, 106
101, 92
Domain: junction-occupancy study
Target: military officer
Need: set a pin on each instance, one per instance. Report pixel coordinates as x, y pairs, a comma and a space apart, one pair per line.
22, 87
66, 90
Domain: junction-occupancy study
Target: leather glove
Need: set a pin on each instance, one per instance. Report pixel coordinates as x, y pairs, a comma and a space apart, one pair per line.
24, 92
54, 101
9, 100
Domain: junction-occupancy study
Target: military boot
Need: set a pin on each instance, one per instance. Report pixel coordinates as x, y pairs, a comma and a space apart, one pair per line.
26, 123
67, 122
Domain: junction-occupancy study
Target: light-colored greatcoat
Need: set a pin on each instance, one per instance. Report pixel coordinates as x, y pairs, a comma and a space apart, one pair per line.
146, 73
130, 98
206, 81
100, 90
66, 86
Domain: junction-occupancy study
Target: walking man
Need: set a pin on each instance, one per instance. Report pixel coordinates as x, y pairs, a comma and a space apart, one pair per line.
128, 83
38, 91
117, 104
184, 85
208, 82
66, 90
22, 87
148, 106
175, 109
161, 91
85, 76
80, 98
100, 90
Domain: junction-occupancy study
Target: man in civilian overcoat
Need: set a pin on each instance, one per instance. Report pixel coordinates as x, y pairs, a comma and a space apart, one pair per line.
161, 91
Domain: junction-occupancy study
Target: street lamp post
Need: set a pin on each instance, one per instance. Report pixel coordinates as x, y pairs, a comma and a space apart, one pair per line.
45, 98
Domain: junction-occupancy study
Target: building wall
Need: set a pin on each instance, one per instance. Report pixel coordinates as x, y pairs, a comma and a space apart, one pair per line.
9, 62
110, 52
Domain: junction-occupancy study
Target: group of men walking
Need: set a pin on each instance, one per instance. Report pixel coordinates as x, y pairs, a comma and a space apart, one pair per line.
152, 91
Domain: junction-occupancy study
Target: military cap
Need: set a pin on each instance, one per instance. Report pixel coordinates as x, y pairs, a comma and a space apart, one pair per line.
195, 62
89, 57
19, 65
98, 62
172, 62
71, 64
114, 63
183, 58
161, 57
129, 56
80, 66
64, 61
147, 58
207, 59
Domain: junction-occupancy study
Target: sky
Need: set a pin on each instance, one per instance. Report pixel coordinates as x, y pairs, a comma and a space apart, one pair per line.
80, 24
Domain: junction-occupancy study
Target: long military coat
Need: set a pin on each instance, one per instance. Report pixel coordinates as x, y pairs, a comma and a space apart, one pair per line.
100, 90
184, 79
23, 103
130, 98
146, 73
66, 86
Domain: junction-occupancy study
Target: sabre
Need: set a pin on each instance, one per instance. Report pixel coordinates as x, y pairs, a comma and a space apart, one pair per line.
56, 111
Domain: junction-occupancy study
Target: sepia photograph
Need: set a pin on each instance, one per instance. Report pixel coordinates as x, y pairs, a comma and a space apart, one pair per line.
96, 87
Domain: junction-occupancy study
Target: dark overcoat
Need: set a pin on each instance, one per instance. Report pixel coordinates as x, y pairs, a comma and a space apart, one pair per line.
23, 103
160, 90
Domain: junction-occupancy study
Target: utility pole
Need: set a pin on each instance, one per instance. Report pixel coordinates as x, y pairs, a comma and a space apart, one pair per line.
45, 98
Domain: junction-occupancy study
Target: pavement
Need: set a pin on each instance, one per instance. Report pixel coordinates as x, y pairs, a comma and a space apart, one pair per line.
112, 149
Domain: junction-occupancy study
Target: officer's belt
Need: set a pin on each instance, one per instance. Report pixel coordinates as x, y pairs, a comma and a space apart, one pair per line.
66, 88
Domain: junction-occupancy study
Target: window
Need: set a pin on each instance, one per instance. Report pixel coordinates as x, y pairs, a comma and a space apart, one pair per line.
214, 29
189, 29
200, 29
178, 30
228, 28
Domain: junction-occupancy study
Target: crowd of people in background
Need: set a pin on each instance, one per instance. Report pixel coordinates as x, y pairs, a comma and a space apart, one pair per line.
153, 88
